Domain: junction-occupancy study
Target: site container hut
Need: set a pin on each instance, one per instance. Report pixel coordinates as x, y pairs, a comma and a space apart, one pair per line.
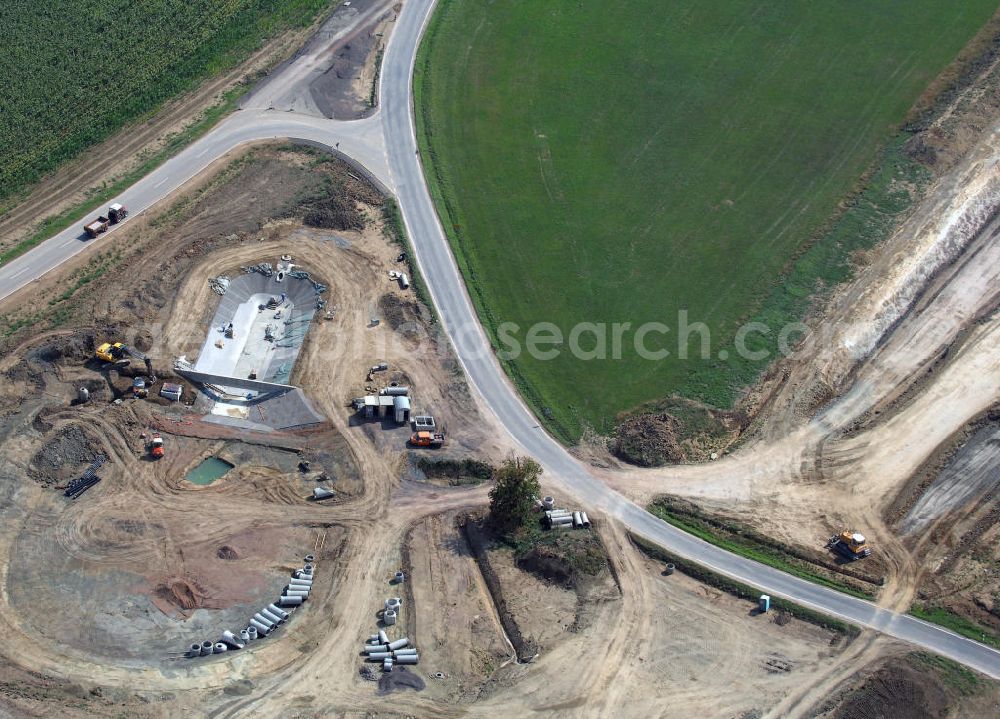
385, 405
370, 406
401, 407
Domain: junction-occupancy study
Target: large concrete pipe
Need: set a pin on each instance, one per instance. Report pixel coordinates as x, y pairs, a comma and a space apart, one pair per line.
389, 617
252, 631
586, 520
219, 648
398, 644
408, 650
206, 648
382, 636
300, 582
194, 651
577, 519
275, 609
291, 601
230, 639
308, 569
310, 558
271, 617
262, 629
387, 664
548, 502
394, 391
369, 648
378, 657
296, 591
244, 636
264, 620
408, 659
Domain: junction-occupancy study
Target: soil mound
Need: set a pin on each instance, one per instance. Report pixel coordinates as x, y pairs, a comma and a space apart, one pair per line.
648, 440
896, 691
63, 455
398, 679
227, 552
181, 593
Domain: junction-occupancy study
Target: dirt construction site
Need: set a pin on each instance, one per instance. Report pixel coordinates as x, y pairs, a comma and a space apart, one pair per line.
261, 474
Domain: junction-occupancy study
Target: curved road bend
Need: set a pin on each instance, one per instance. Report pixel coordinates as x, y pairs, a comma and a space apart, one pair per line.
360, 140
385, 145
448, 291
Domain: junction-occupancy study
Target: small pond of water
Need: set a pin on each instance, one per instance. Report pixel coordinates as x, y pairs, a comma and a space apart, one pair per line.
209, 471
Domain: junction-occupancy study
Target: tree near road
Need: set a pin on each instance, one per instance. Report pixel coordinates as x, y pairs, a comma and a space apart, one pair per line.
512, 499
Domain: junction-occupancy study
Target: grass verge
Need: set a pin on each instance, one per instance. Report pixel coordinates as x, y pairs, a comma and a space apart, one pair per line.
397, 233
962, 679
743, 591
956, 623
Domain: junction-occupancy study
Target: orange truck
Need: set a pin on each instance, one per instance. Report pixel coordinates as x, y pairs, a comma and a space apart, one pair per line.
426, 439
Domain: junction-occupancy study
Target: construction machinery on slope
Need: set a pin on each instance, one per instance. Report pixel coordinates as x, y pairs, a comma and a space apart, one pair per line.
155, 446
120, 353
850, 544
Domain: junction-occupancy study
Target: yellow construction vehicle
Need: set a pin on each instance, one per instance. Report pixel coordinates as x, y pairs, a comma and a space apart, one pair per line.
852, 545
120, 353
111, 352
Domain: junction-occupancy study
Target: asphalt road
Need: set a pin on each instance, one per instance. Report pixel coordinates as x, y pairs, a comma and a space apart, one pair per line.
385, 145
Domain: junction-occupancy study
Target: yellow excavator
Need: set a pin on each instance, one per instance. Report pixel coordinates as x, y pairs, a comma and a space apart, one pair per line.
120, 353
852, 545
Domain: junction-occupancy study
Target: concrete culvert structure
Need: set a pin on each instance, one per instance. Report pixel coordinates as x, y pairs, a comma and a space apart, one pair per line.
230, 640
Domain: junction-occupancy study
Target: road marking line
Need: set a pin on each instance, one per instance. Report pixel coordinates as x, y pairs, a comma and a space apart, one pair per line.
68, 242
161, 182
19, 273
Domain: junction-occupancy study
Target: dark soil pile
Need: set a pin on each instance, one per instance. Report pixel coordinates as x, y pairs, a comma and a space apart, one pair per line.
66, 454
648, 440
896, 691
398, 679
181, 593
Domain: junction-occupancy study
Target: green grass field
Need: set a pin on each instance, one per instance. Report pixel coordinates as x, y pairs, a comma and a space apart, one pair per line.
76, 72
622, 162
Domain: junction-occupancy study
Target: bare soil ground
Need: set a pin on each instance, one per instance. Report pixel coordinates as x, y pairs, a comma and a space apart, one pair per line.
912, 686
